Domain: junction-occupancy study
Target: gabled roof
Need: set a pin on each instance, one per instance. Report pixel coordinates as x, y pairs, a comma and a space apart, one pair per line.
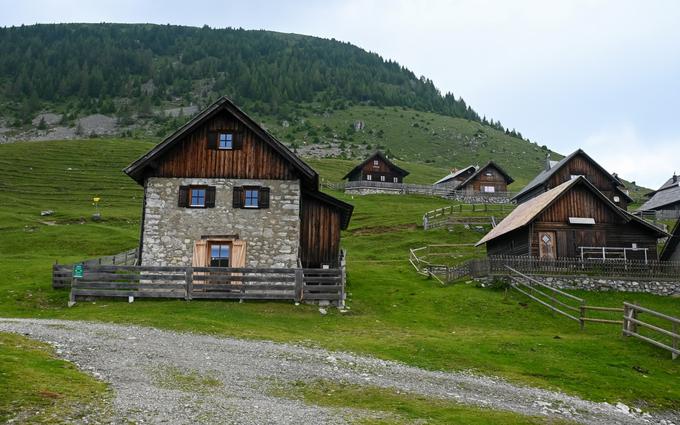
136, 169
545, 175
662, 198
528, 211
672, 182
508, 179
671, 243
375, 155
454, 174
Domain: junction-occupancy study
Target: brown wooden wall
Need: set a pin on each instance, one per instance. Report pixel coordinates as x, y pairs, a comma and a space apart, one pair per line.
579, 165
382, 169
319, 233
192, 158
496, 179
609, 230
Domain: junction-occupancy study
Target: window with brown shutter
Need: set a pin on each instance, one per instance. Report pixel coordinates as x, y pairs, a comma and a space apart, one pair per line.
183, 197
225, 140
251, 197
196, 197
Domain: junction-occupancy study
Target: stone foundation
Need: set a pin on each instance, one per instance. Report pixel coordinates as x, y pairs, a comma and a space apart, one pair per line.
585, 283
272, 235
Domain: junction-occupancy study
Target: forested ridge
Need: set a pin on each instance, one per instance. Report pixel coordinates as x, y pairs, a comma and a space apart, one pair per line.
129, 69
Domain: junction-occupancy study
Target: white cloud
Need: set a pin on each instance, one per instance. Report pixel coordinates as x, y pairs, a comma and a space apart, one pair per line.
623, 150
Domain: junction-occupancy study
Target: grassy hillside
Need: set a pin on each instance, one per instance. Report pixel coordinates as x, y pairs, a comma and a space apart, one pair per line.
395, 313
413, 136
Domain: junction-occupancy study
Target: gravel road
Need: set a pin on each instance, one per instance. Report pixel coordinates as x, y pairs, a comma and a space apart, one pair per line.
139, 364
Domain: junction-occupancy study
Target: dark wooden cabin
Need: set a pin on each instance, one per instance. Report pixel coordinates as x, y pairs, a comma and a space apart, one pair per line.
572, 166
377, 168
664, 202
487, 179
575, 214
223, 181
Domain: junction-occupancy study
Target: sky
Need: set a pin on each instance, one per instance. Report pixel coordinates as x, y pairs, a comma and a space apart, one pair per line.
599, 75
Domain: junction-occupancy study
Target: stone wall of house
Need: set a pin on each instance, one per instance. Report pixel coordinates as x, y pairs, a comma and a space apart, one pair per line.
586, 283
272, 235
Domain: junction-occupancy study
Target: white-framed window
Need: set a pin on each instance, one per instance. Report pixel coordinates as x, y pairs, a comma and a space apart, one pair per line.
396, 179
382, 178
369, 177
489, 174
376, 163
226, 141
488, 189
575, 176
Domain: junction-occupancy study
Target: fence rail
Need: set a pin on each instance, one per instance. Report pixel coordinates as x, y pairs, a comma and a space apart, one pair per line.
631, 323
61, 273
296, 284
617, 269
421, 189
455, 214
559, 301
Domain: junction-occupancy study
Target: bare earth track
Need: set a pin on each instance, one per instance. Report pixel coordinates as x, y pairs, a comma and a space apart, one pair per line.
138, 363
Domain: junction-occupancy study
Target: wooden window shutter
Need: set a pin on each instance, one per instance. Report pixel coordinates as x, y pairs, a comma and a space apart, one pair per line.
237, 141
183, 197
238, 197
210, 197
200, 257
263, 194
212, 140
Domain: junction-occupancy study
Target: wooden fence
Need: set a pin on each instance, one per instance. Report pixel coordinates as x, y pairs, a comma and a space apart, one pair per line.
427, 261
296, 284
459, 214
631, 323
61, 273
558, 301
615, 269
420, 189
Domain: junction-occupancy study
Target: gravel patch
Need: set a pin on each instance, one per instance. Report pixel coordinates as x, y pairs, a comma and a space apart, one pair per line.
229, 380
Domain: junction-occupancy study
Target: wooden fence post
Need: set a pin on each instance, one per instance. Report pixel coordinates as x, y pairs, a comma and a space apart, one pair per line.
582, 315
298, 285
675, 341
189, 280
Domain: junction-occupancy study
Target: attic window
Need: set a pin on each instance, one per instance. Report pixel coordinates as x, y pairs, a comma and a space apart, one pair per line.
617, 199
376, 163
226, 141
581, 220
489, 174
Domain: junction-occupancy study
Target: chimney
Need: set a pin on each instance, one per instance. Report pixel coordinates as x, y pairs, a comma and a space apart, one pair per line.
547, 162
675, 178
454, 170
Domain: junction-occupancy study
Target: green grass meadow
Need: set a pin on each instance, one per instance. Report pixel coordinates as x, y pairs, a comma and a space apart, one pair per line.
394, 314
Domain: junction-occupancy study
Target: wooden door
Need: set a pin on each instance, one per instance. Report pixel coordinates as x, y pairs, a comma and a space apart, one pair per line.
547, 248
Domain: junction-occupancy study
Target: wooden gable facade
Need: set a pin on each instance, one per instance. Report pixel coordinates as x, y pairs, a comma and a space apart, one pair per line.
575, 165
377, 168
557, 223
488, 179
196, 151
456, 177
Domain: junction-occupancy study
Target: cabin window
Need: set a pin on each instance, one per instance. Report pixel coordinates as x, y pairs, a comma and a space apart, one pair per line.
396, 179
488, 189
220, 254
251, 197
382, 178
226, 141
369, 177
489, 174
376, 163
617, 199
197, 197
575, 176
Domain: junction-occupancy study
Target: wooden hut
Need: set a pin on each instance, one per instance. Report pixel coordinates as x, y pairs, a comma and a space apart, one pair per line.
377, 168
572, 166
487, 179
572, 220
222, 191
664, 203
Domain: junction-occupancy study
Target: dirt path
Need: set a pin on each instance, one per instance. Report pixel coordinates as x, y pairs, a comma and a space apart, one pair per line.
145, 367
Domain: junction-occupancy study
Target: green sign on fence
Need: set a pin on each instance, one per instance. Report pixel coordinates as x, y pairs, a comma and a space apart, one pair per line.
78, 270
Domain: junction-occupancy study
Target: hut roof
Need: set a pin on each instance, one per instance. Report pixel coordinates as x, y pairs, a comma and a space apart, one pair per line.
662, 198
452, 175
377, 154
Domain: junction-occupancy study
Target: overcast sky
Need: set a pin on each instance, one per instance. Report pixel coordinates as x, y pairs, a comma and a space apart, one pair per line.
600, 75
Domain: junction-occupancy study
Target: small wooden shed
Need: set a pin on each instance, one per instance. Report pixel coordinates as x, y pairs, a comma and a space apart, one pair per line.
377, 168
573, 220
489, 178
